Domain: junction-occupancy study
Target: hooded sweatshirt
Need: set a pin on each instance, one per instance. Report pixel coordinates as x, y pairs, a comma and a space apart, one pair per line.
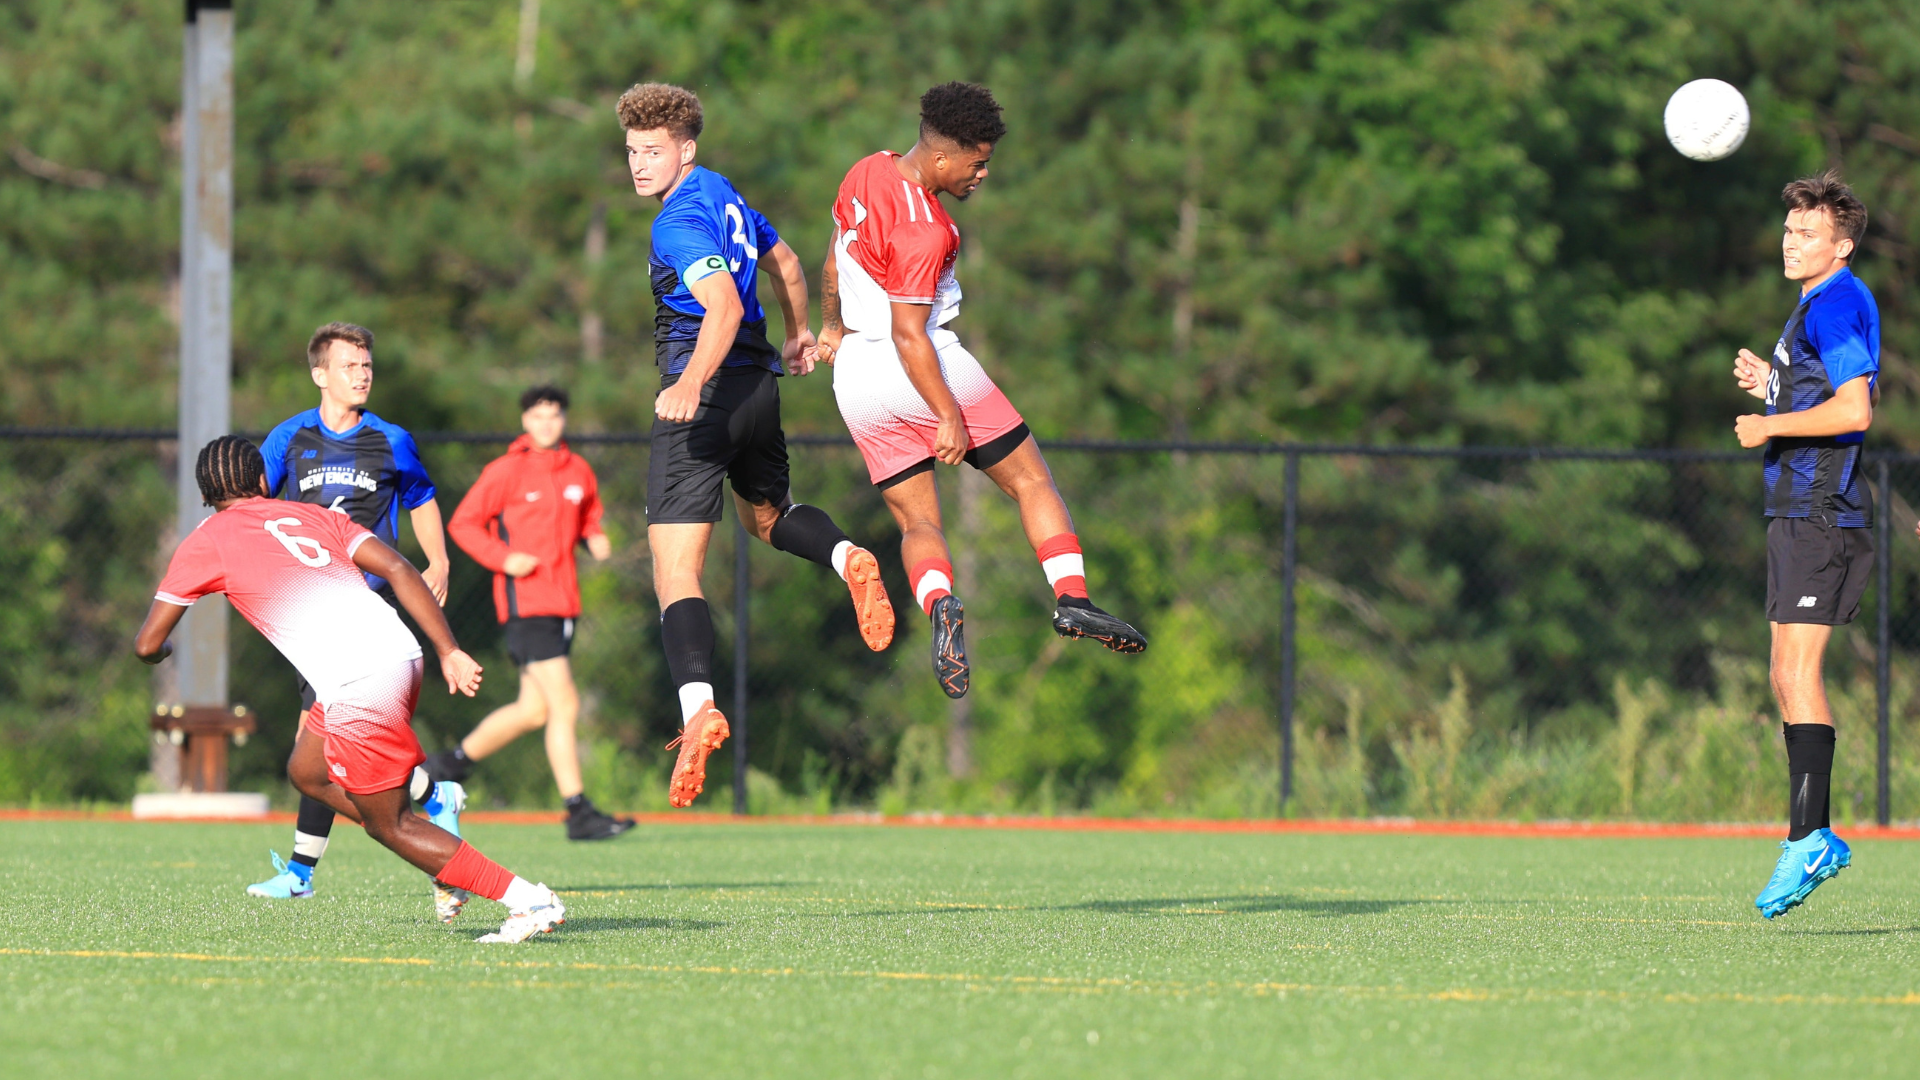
542, 502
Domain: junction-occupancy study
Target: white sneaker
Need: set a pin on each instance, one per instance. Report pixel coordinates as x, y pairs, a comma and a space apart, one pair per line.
447, 901
521, 925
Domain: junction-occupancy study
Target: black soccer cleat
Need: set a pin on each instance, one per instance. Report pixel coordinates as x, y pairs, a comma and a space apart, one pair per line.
448, 765
1091, 622
950, 646
588, 823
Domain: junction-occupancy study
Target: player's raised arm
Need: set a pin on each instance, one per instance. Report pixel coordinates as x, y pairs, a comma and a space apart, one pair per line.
790, 288
374, 557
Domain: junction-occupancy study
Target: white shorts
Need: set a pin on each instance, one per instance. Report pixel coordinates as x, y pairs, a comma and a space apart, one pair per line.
890, 422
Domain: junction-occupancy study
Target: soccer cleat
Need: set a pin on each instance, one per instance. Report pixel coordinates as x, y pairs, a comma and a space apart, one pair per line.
521, 925
1091, 622
1803, 865
870, 604
702, 736
283, 885
589, 823
447, 901
444, 805
950, 646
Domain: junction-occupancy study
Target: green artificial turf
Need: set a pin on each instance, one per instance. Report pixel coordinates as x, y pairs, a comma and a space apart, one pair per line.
842, 951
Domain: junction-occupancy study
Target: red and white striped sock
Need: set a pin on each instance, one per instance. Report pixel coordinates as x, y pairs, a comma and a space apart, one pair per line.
1066, 571
931, 579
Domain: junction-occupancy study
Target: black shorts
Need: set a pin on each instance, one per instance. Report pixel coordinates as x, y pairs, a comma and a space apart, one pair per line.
307, 696
736, 433
538, 637
982, 457
1816, 573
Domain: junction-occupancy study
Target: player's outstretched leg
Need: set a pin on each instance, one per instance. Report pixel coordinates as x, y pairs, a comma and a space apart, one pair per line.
1812, 853
390, 820
1023, 474
809, 532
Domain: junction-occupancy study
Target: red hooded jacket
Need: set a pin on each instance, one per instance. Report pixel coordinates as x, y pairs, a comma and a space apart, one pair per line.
542, 502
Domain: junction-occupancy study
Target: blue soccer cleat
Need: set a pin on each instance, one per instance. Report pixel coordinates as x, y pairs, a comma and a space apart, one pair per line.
443, 806
284, 884
1804, 864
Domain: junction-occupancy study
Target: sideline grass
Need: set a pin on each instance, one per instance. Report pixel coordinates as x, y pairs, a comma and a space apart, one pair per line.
129, 949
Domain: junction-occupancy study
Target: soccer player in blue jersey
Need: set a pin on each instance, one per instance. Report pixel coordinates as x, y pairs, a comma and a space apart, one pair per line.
718, 412
1820, 387
348, 460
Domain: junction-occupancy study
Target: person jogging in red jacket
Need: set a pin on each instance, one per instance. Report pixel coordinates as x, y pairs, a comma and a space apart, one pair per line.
522, 520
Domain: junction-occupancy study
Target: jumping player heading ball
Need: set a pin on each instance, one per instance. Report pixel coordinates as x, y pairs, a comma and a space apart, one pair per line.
912, 395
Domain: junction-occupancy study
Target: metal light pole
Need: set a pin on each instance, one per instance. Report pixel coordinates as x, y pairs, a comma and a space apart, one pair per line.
199, 717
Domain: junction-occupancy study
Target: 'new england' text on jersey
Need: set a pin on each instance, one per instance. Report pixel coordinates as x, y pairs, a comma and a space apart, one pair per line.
895, 244
288, 569
368, 472
706, 228
1832, 339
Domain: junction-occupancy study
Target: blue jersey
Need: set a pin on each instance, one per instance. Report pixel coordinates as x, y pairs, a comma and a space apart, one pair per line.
1832, 339
367, 472
706, 228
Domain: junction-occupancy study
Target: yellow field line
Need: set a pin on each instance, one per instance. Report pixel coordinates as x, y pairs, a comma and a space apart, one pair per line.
1068, 984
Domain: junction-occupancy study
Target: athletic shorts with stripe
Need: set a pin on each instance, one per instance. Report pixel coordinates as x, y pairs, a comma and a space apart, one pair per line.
367, 730
891, 423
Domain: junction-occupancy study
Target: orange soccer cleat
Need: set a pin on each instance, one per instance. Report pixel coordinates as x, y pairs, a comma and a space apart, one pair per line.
702, 736
870, 603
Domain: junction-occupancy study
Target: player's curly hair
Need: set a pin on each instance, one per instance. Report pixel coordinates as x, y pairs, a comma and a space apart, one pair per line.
546, 393
647, 106
962, 112
350, 333
1829, 192
229, 467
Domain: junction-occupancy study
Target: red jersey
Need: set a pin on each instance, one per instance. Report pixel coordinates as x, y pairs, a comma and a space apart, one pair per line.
288, 569
542, 502
896, 243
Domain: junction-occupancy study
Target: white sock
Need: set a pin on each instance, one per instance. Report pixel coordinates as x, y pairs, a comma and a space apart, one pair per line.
692, 696
929, 582
419, 785
524, 895
840, 552
309, 845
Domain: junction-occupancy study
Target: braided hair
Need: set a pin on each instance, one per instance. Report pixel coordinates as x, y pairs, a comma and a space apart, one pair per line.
229, 467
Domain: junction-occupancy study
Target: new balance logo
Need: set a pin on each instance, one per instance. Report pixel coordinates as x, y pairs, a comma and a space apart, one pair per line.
1808, 601
309, 453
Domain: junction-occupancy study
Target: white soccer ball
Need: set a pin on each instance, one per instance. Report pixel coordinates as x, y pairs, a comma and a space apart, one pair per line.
1707, 119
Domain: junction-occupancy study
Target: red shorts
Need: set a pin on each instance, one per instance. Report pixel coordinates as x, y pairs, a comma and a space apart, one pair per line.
891, 423
368, 731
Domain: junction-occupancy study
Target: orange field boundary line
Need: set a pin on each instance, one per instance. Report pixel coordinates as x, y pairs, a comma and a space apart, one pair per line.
1603, 830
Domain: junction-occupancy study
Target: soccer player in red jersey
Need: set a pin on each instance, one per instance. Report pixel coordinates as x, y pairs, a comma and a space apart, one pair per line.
294, 570
912, 395
522, 519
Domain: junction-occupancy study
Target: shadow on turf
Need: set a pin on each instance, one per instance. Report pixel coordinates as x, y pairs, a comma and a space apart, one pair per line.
658, 886
1871, 931
595, 924
1181, 906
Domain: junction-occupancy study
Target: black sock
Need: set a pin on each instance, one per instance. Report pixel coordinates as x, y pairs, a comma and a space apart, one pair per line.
315, 819
808, 532
686, 629
578, 804
1810, 769
452, 765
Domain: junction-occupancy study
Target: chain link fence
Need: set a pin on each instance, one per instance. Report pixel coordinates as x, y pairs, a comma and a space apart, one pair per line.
1336, 631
